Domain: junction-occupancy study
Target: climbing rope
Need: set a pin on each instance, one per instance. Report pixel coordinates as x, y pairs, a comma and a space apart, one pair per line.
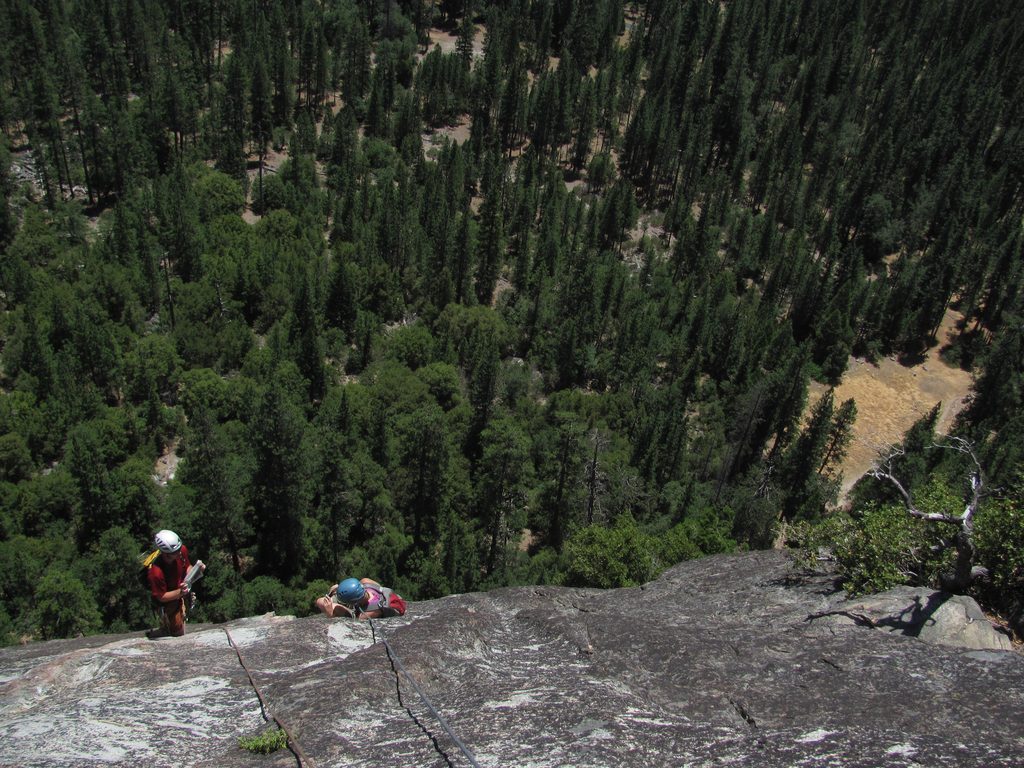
397, 667
293, 744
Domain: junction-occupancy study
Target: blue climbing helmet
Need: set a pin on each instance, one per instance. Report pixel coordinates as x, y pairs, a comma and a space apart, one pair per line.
351, 591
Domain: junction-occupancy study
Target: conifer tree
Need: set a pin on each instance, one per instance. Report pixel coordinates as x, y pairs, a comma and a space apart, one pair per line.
279, 489
283, 101
231, 116
310, 347
261, 115
502, 478
421, 472
808, 489
219, 476
490, 245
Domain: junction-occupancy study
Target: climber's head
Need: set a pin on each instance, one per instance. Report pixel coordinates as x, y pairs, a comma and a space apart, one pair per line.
350, 591
167, 542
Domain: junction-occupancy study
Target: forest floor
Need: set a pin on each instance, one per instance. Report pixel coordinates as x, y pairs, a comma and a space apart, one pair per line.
891, 396
459, 131
433, 138
167, 465
448, 39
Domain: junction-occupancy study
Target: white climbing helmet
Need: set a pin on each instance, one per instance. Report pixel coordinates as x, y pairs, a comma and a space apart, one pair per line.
167, 541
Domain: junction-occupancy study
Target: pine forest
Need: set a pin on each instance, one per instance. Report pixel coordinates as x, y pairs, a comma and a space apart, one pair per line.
461, 294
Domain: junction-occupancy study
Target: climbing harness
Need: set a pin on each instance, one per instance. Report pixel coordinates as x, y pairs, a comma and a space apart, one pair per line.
397, 667
293, 744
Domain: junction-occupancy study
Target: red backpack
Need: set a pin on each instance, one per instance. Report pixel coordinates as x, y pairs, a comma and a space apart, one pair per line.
394, 601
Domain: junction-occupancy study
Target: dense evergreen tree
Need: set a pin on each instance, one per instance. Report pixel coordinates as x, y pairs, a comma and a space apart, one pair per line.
279, 489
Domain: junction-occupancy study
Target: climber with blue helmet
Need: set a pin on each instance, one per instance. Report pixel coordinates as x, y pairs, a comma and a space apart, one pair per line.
350, 591
360, 599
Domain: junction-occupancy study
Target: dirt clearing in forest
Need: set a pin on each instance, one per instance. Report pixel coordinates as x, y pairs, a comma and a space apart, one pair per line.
167, 464
433, 138
449, 39
890, 397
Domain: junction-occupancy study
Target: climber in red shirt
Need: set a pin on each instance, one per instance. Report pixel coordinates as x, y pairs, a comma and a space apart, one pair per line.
167, 582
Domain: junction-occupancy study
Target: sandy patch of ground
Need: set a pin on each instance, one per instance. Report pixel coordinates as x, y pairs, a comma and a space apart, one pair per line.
646, 227
458, 133
527, 540
890, 397
271, 163
443, 38
448, 40
500, 287
166, 465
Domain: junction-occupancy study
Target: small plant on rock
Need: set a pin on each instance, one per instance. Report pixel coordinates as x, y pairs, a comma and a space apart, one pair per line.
269, 741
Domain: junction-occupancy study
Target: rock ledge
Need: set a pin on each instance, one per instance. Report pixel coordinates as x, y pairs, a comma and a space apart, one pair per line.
733, 659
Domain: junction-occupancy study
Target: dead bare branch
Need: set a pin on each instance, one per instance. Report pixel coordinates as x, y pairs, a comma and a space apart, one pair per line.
964, 571
976, 479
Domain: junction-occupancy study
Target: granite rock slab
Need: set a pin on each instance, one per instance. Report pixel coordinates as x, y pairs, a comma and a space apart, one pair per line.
729, 660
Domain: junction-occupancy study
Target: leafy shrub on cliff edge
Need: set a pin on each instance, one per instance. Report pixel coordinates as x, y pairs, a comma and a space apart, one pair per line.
999, 541
610, 557
881, 546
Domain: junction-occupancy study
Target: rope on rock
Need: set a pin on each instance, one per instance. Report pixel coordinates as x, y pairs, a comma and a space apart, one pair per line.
293, 744
396, 666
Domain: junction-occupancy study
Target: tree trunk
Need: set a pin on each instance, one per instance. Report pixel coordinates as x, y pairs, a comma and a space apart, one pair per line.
958, 579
